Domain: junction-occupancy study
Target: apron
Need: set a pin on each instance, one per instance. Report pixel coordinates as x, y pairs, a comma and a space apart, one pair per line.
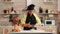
30, 19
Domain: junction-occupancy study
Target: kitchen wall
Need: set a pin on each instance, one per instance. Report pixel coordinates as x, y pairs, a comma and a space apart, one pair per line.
20, 4
45, 5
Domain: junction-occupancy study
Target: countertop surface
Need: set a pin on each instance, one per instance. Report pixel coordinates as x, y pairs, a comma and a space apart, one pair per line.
35, 31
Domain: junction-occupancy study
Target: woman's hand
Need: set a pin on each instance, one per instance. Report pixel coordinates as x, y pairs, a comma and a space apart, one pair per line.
27, 25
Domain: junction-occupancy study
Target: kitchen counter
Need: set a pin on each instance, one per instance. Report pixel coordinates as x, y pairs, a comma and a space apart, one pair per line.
8, 30
34, 32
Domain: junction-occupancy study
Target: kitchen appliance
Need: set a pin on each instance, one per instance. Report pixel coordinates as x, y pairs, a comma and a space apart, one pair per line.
50, 22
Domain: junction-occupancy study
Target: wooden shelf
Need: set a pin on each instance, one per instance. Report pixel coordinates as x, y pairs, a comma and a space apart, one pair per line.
48, 1
12, 1
10, 14
48, 13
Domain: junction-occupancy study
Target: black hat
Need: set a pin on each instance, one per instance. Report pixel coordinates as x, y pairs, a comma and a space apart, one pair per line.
31, 7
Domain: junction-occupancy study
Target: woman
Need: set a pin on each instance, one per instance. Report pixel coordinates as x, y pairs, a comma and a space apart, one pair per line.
30, 18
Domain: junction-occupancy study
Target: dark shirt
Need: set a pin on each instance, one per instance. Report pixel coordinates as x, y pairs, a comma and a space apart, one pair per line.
30, 19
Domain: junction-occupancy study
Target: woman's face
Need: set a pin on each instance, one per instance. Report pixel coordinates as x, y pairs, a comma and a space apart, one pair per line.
30, 12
